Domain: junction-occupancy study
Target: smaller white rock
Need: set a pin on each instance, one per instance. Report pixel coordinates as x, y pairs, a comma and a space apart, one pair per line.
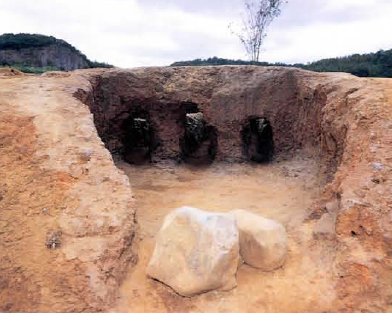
263, 242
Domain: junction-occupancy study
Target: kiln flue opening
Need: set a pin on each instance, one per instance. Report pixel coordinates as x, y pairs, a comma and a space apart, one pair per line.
138, 139
258, 139
199, 143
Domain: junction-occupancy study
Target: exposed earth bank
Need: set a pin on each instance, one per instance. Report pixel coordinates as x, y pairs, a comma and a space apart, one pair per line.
67, 213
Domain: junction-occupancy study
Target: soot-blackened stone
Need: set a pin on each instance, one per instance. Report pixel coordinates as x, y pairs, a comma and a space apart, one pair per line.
258, 140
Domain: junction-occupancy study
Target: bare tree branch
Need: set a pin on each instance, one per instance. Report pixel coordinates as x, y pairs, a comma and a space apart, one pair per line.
259, 14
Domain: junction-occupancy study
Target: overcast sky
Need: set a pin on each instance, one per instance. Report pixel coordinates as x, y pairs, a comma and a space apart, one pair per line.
130, 33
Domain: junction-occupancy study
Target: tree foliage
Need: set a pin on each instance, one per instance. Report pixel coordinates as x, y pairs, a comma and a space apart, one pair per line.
377, 64
220, 61
259, 15
20, 41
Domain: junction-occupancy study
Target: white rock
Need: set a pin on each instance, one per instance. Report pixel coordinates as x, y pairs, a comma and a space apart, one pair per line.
263, 242
196, 251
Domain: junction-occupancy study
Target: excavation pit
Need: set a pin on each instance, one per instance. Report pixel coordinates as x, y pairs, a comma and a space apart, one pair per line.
262, 154
324, 173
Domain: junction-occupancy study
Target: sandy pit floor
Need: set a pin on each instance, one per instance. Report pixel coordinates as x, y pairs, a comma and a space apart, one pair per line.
282, 191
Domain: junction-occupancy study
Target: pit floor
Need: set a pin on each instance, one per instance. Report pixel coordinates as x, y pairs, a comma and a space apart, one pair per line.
281, 190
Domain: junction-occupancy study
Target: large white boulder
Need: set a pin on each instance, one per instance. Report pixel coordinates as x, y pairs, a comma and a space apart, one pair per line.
263, 242
196, 251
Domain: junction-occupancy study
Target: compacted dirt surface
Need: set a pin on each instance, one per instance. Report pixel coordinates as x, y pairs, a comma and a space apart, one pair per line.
77, 229
282, 191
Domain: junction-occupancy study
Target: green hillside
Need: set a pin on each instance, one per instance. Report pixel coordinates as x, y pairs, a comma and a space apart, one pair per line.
22, 41
377, 64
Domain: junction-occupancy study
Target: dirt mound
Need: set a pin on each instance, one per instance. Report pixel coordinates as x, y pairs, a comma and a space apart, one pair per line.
56, 74
67, 213
9, 71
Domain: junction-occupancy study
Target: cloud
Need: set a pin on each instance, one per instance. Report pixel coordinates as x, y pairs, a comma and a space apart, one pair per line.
333, 28
131, 33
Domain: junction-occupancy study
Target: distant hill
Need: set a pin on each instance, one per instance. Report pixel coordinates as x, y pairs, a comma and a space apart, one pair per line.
377, 64
220, 61
215, 61
38, 53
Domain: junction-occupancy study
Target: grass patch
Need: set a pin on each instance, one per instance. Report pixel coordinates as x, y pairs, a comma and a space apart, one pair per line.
33, 70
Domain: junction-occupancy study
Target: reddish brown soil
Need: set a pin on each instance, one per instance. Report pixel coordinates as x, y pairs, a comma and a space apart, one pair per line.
49, 186
56, 176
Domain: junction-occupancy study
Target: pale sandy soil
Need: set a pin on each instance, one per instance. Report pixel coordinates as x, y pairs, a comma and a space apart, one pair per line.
44, 180
282, 191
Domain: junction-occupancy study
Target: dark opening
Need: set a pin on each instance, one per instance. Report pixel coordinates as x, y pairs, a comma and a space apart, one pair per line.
200, 139
258, 139
138, 139
190, 107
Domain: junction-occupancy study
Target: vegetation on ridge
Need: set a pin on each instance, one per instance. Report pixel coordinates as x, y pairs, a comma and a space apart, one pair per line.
22, 41
377, 64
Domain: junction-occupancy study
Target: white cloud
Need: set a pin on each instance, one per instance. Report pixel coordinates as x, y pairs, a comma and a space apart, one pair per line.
343, 4
361, 26
130, 33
